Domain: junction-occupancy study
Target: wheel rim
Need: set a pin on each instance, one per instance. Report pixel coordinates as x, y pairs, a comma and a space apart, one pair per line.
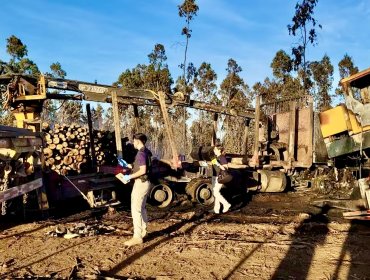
161, 195
204, 194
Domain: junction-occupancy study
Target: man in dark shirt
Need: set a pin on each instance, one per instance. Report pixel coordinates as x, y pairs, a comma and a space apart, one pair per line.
140, 173
218, 164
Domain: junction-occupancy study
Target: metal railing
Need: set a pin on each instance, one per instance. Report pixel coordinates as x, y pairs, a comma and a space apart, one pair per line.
283, 106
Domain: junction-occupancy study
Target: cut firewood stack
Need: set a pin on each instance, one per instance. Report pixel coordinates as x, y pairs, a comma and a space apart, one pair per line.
105, 147
67, 148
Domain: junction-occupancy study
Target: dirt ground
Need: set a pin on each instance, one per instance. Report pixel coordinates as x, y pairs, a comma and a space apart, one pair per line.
272, 236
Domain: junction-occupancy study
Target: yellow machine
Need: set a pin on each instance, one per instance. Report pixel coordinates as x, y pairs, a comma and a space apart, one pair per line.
346, 128
25, 99
339, 120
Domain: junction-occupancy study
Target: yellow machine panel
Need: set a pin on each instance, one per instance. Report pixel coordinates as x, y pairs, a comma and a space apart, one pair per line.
21, 117
356, 127
334, 121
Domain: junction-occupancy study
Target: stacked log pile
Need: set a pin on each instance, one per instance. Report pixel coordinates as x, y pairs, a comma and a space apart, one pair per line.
67, 148
105, 147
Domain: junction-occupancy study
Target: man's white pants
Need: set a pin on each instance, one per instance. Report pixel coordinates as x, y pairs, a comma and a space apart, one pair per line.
138, 210
219, 199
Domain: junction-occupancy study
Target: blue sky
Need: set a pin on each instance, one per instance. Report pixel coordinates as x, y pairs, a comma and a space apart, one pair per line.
100, 39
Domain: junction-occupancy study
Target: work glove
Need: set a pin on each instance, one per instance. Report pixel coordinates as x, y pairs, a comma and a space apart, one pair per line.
126, 178
122, 162
123, 178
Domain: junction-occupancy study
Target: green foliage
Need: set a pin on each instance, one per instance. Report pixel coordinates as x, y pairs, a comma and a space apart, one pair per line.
70, 112
97, 117
233, 88
322, 73
287, 83
19, 63
49, 112
23, 66
282, 65
158, 57
132, 78
304, 26
346, 68
295, 76
157, 80
27, 66
284, 84
4, 67
201, 130
108, 124
62, 112
206, 90
57, 71
235, 93
188, 9
205, 84
187, 86
154, 76
50, 107
15, 48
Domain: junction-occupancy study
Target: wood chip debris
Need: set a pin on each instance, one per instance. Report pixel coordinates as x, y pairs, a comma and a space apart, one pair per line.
80, 230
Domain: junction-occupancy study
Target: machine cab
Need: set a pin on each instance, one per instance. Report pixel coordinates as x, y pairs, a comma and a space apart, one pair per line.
345, 128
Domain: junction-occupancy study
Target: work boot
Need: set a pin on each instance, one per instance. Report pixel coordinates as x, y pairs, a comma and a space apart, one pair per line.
226, 208
133, 241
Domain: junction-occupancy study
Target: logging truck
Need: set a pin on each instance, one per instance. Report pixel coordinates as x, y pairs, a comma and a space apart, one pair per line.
290, 139
67, 148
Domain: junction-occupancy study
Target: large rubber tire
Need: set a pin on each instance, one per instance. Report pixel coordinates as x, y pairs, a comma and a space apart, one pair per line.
160, 195
200, 190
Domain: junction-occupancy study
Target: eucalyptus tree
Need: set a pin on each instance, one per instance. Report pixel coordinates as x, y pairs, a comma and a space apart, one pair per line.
154, 76
19, 62
50, 107
235, 93
304, 27
322, 74
188, 10
97, 115
186, 87
346, 68
205, 90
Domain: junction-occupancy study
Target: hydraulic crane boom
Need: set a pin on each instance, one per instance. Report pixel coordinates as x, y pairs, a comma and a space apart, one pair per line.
21, 89
25, 95
140, 97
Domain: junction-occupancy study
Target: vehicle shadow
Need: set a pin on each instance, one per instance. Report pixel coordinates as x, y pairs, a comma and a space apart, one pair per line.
287, 268
297, 261
354, 252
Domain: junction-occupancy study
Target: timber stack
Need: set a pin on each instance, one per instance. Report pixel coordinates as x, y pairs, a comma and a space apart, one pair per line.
67, 149
105, 147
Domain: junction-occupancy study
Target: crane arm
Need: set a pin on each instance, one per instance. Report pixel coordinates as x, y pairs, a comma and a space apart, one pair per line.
30, 89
